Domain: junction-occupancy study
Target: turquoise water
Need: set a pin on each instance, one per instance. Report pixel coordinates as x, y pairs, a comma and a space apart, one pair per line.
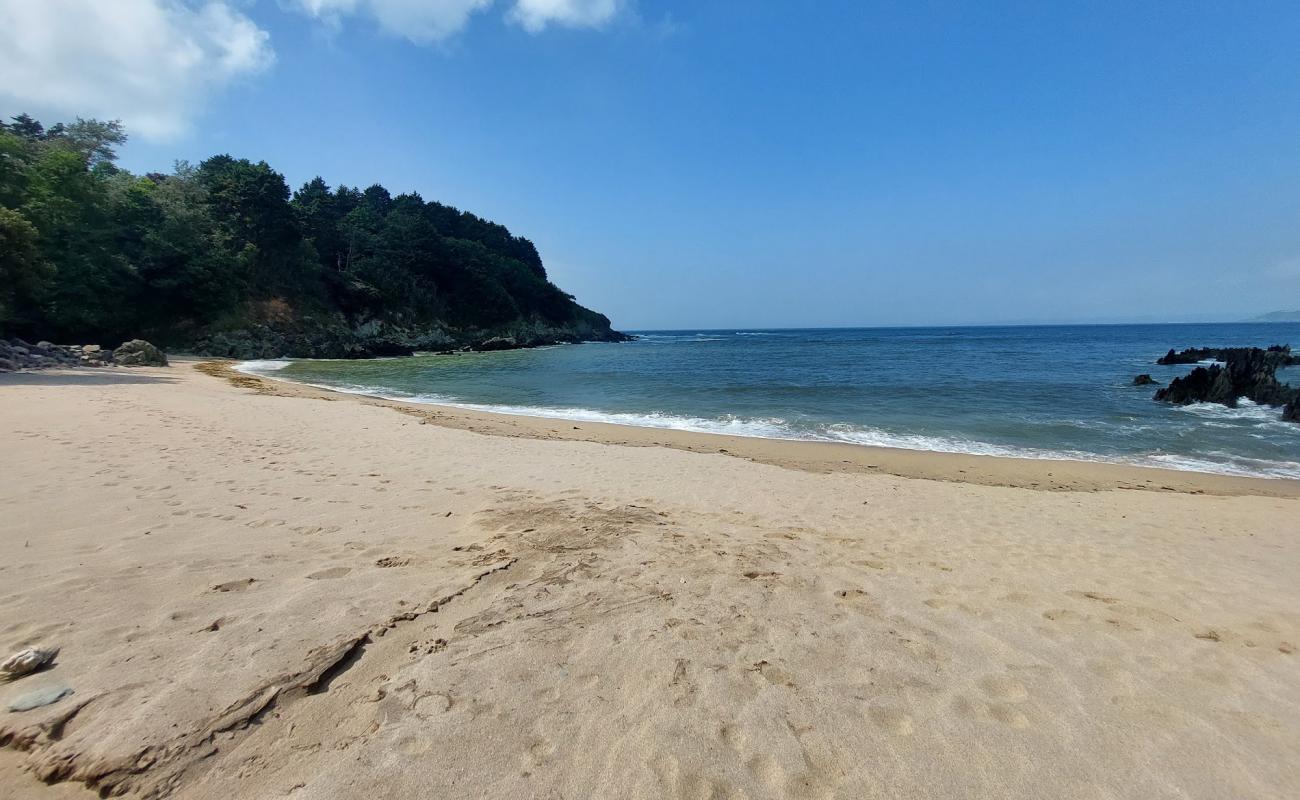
1046, 392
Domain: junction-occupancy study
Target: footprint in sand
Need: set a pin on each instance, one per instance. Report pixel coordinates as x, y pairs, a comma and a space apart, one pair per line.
332, 572
892, 720
1008, 715
1001, 687
311, 530
234, 586
774, 674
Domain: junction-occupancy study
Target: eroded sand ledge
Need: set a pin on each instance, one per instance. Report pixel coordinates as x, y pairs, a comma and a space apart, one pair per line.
263, 595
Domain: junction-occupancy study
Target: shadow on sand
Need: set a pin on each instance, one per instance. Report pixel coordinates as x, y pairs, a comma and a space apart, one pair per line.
80, 377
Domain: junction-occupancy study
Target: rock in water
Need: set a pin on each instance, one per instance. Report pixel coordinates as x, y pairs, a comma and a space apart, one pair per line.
25, 662
1247, 372
39, 697
1193, 355
139, 353
1143, 380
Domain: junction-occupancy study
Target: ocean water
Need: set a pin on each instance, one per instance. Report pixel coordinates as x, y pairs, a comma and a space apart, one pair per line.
1041, 392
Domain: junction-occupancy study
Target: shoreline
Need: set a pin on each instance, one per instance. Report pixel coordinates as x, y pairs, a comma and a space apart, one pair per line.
1046, 474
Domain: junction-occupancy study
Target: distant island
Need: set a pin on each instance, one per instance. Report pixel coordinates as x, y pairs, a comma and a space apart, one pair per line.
222, 259
1278, 316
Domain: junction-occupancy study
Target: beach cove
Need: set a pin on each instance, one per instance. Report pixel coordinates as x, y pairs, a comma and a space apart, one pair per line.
263, 589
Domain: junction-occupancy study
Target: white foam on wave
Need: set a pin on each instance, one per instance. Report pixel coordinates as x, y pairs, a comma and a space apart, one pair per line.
666, 338
1231, 465
261, 368
777, 428
1246, 412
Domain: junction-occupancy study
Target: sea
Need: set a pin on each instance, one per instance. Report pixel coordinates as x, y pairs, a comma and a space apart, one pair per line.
1050, 392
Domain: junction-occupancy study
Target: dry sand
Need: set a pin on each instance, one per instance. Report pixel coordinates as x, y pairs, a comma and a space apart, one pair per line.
263, 594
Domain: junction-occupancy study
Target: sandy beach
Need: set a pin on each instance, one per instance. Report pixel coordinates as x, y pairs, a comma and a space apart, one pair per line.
264, 590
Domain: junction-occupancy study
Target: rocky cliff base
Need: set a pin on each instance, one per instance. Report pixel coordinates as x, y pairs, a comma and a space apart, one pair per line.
16, 354
372, 341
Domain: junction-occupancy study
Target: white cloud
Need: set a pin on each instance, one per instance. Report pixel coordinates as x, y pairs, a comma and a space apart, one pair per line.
535, 15
151, 63
427, 21
421, 21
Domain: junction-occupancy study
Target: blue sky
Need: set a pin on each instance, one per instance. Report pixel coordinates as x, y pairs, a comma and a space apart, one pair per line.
728, 164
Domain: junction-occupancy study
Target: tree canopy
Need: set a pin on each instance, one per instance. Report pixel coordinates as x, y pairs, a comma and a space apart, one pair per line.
89, 251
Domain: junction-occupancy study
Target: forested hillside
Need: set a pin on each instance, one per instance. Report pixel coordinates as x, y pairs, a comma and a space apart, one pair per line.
221, 258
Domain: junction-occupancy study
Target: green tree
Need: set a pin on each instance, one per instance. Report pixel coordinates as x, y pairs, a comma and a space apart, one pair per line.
26, 127
91, 252
251, 202
24, 273
95, 141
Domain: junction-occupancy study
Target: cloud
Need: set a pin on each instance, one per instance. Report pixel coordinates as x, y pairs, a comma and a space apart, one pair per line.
535, 15
421, 21
151, 63
429, 21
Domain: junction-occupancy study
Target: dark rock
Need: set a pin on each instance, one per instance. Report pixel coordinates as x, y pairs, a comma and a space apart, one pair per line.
497, 343
1193, 355
139, 353
7, 365
334, 337
1144, 380
1248, 372
1291, 411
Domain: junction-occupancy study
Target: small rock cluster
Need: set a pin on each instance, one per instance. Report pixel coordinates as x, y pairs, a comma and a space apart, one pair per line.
16, 354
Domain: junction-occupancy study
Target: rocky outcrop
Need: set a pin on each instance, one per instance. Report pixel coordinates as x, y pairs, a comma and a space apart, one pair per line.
332, 339
1193, 355
16, 354
1144, 380
1247, 372
139, 353
1291, 411
497, 343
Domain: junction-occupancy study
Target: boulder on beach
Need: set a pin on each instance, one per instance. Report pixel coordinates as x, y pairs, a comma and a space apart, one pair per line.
16, 354
139, 353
